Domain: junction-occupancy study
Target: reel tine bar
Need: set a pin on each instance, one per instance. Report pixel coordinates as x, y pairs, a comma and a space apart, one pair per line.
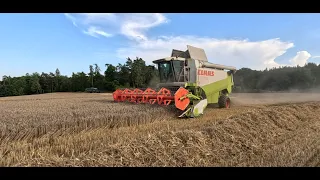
162, 97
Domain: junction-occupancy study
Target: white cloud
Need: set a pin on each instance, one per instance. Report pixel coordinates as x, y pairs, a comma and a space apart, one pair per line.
94, 31
234, 52
313, 57
71, 18
239, 53
301, 58
134, 26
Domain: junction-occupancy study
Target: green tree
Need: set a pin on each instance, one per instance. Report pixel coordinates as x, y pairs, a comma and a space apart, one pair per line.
91, 74
138, 72
35, 85
110, 78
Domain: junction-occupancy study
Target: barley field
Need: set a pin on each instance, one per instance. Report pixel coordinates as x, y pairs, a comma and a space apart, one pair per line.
80, 129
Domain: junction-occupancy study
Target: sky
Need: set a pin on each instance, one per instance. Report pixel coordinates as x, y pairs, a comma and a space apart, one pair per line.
71, 42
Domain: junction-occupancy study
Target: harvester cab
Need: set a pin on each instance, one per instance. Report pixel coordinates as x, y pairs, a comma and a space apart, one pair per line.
188, 81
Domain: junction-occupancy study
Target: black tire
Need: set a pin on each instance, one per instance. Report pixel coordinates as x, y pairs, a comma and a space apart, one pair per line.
224, 101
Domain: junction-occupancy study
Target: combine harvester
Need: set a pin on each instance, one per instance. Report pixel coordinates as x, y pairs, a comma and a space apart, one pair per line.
188, 81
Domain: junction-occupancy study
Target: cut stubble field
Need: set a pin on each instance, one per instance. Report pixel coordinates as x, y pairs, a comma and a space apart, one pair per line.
80, 129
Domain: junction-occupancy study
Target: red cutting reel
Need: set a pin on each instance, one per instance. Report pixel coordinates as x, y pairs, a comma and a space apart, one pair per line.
163, 97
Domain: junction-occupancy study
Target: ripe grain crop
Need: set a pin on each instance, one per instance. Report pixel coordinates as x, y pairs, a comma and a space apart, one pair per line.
29, 117
255, 135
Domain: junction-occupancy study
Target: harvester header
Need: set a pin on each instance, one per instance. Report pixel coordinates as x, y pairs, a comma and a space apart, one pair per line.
187, 81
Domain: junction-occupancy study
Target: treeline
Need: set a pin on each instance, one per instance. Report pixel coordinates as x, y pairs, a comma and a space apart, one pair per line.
285, 79
135, 73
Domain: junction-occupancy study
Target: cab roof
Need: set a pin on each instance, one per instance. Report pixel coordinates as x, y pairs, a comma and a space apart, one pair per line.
191, 52
169, 59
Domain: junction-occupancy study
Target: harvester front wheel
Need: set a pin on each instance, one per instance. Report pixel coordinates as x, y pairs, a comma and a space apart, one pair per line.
224, 101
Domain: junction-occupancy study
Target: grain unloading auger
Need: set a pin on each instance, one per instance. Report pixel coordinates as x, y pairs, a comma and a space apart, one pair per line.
188, 81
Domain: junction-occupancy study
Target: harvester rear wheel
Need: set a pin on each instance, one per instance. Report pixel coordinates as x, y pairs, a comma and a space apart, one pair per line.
224, 101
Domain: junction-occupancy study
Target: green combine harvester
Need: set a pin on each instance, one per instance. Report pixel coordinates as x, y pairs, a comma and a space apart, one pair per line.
188, 81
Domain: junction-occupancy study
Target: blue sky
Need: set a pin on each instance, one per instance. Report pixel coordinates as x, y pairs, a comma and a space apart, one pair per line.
71, 42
